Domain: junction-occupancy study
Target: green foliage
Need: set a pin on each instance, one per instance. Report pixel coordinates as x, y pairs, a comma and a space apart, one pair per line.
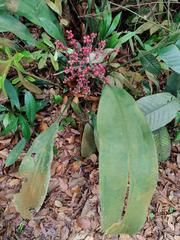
36, 12
127, 151
88, 145
173, 83
14, 59
123, 160
66, 122
35, 168
25, 127
57, 99
159, 109
10, 123
8, 23
171, 55
150, 63
11, 118
15, 152
177, 128
30, 107
163, 143
12, 94
104, 24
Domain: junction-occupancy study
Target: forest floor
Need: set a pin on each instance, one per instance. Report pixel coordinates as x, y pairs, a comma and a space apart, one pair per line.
71, 208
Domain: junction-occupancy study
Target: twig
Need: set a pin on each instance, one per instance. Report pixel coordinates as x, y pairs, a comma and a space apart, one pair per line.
144, 18
67, 105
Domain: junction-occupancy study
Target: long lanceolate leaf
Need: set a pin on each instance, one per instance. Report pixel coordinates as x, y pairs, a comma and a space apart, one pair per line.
35, 169
127, 162
39, 13
15, 152
159, 109
12, 94
8, 23
30, 106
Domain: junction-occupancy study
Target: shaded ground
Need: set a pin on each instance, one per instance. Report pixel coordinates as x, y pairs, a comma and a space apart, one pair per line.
71, 209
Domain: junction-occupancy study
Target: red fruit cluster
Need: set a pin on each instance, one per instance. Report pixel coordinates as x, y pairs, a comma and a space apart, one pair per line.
79, 69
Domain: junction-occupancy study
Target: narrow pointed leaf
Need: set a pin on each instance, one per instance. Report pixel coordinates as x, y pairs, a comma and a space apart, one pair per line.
12, 94
8, 23
30, 106
126, 38
35, 169
159, 109
114, 24
25, 127
127, 162
15, 152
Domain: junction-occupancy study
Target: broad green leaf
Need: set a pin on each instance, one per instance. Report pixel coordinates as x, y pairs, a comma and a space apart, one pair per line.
35, 169
8, 23
40, 14
52, 29
88, 145
12, 94
25, 127
150, 63
163, 143
169, 39
173, 83
159, 109
30, 106
12, 125
178, 43
171, 55
114, 24
15, 152
128, 164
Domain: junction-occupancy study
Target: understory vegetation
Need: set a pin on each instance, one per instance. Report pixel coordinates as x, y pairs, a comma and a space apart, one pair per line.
116, 66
